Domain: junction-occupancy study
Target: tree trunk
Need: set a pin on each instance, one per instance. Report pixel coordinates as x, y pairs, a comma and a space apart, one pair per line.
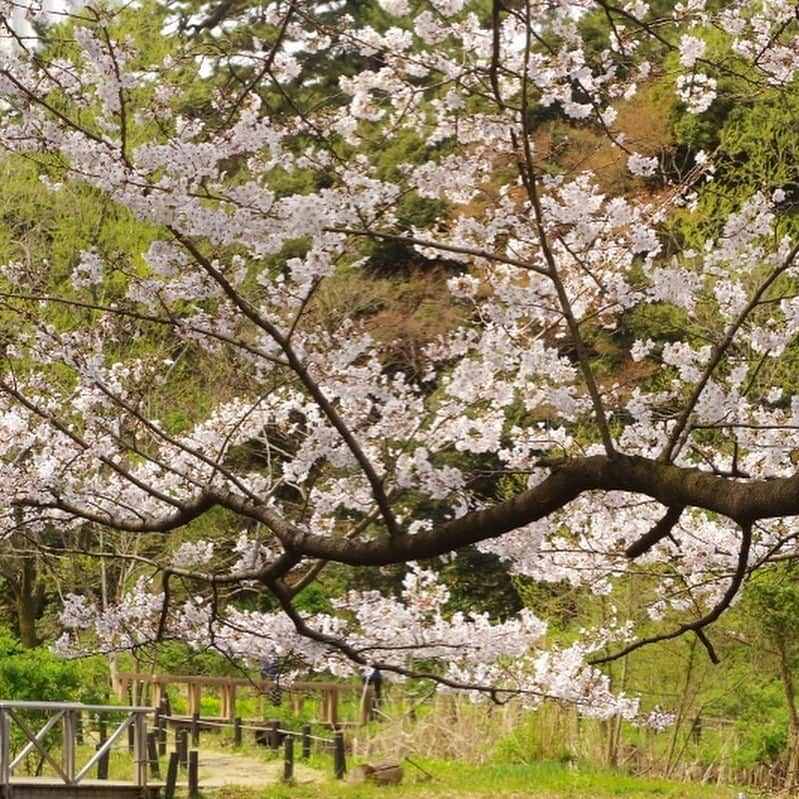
682, 710
614, 737
28, 598
792, 767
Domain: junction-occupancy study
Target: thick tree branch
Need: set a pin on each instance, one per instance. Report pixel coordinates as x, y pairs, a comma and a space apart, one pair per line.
743, 501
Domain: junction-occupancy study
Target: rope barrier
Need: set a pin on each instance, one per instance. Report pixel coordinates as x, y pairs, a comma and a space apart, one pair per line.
295, 734
254, 727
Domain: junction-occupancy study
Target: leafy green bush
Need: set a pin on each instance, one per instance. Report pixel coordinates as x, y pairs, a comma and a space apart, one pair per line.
39, 675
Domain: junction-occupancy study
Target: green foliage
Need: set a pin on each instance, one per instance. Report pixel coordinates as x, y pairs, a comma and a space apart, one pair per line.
175, 657
540, 736
313, 599
762, 741
660, 321
38, 674
559, 603
702, 131
755, 146
774, 594
479, 582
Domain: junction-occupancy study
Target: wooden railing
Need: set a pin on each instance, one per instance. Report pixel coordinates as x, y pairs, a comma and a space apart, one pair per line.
49, 716
137, 687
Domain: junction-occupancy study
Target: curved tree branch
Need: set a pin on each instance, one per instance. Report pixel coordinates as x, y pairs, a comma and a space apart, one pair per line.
697, 626
743, 501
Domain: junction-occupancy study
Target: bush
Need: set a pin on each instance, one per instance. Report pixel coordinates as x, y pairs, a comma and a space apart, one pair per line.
39, 675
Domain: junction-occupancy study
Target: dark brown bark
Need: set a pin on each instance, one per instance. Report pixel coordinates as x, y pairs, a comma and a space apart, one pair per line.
29, 606
742, 501
27, 595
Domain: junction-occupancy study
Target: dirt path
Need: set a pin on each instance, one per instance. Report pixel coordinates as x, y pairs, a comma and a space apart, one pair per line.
217, 769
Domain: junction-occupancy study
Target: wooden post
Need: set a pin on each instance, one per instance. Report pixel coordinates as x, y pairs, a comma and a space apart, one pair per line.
330, 706
367, 704
339, 759
195, 697
161, 728
119, 685
325, 702
237, 731
274, 734
156, 692
69, 746
102, 763
306, 741
195, 729
194, 774
182, 748
297, 700
5, 751
288, 759
171, 776
228, 701
140, 748
132, 738
152, 755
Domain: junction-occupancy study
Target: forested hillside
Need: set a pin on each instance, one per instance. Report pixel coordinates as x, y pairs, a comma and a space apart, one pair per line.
453, 338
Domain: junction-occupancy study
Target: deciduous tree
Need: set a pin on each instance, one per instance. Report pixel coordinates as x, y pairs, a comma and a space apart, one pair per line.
254, 192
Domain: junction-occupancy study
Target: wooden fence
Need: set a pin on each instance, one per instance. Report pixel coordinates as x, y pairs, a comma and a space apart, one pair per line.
270, 734
37, 724
62, 736
139, 687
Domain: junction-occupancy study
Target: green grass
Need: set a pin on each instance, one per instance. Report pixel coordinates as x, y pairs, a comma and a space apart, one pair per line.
449, 779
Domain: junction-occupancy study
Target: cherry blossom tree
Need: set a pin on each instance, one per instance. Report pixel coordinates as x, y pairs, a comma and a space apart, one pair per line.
256, 184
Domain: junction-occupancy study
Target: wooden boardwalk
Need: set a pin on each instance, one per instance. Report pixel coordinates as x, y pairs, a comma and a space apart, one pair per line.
47, 788
52, 731
70, 745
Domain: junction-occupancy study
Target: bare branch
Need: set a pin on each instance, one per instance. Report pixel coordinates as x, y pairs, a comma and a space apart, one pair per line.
681, 430
441, 246
660, 531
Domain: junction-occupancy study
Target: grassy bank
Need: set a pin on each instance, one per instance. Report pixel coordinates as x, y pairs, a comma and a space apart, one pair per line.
537, 781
